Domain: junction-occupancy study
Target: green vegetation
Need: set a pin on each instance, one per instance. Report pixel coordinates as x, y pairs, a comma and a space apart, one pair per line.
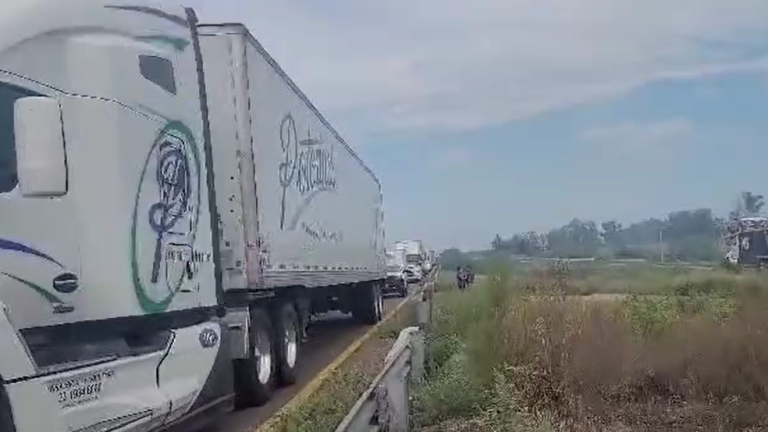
481, 261
647, 349
687, 235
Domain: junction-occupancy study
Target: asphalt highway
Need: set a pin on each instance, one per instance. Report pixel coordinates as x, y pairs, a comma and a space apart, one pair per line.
330, 335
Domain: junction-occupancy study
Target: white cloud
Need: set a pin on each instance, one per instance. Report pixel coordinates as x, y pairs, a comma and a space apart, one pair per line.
450, 64
641, 136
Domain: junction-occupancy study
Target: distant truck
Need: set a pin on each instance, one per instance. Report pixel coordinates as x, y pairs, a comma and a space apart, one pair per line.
174, 209
415, 258
747, 238
413, 273
427, 265
415, 252
397, 273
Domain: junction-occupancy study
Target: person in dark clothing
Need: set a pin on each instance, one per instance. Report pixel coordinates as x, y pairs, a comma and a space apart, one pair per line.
470, 275
460, 279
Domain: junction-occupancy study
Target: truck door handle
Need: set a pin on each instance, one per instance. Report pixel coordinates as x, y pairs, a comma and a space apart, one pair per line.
188, 270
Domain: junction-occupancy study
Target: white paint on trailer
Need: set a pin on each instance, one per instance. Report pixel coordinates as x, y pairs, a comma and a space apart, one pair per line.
317, 208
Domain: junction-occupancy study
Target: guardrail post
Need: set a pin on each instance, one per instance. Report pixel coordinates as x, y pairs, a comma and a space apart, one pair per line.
385, 406
431, 301
424, 314
394, 407
418, 356
423, 308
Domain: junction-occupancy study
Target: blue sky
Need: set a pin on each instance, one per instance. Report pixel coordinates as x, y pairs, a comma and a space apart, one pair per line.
663, 146
512, 115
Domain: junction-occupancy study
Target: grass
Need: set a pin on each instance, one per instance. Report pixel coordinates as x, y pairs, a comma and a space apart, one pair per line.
678, 349
327, 407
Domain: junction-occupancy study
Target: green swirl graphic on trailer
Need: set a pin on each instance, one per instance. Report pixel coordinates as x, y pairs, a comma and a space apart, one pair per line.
167, 206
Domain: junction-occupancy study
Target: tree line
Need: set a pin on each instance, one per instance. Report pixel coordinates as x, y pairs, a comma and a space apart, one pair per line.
684, 235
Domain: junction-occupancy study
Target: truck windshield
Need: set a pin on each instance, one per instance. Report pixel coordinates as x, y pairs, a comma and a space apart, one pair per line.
413, 258
8, 170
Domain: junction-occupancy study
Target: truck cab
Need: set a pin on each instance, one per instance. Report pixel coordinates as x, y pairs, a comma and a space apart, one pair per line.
107, 275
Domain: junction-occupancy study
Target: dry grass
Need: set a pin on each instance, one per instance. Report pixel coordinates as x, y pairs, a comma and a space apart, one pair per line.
521, 355
327, 407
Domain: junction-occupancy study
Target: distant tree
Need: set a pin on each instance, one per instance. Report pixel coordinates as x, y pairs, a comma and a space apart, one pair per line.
753, 203
576, 239
611, 233
452, 258
497, 243
521, 244
747, 204
693, 235
610, 227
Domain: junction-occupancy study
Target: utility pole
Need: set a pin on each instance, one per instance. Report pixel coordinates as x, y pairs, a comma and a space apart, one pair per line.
661, 245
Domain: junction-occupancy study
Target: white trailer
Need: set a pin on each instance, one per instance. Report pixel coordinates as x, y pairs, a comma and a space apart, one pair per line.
415, 253
174, 209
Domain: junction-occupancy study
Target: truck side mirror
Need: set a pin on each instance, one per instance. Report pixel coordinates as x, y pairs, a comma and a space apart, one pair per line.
40, 157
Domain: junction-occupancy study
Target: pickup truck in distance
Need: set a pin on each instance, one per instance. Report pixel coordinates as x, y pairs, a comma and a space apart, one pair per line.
174, 210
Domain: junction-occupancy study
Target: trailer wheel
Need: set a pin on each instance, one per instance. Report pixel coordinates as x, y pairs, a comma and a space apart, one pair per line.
287, 340
6, 415
255, 376
380, 301
369, 304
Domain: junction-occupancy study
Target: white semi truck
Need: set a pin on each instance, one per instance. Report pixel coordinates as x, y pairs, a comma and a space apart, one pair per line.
415, 252
397, 274
173, 210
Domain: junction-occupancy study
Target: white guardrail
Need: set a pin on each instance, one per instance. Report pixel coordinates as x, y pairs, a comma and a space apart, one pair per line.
385, 405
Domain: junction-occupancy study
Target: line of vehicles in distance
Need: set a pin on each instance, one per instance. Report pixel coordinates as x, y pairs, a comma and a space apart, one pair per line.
408, 261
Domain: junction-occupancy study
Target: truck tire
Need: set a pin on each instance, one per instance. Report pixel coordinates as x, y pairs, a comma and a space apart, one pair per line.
287, 342
369, 303
6, 414
255, 376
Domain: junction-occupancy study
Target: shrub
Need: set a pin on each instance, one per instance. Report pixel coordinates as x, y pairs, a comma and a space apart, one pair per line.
520, 353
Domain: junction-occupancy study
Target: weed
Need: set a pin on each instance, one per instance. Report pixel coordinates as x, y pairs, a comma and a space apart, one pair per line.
686, 350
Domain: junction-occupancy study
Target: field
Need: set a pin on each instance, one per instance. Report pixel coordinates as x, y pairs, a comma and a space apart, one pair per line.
599, 347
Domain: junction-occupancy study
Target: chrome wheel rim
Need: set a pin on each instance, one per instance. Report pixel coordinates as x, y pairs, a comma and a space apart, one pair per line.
291, 344
262, 351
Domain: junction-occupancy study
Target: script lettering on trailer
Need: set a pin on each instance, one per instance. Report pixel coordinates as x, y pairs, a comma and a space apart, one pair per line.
307, 170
